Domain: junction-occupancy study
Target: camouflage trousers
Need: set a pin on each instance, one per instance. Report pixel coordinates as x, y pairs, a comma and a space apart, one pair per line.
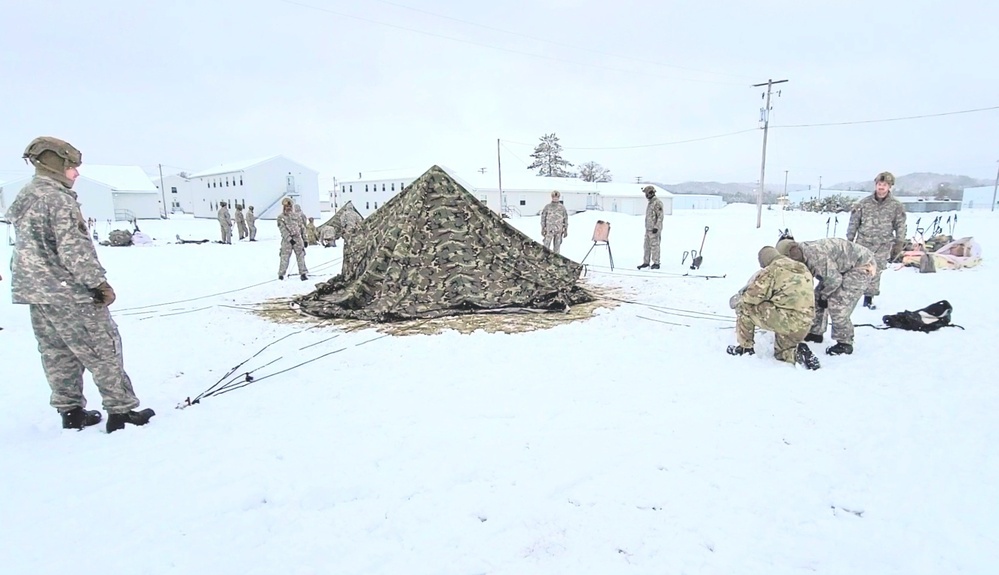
650, 251
553, 240
789, 327
285, 254
242, 229
226, 233
251, 230
77, 337
882, 254
840, 307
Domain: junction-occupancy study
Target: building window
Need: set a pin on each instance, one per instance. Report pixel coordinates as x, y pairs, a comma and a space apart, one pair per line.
241, 179
352, 188
393, 186
343, 189
376, 205
523, 202
365, 187
401, 186
383, 189
367, 205
208, 184
173, 189
227, 182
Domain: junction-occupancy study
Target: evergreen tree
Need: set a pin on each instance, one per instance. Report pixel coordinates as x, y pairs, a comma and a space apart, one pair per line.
548, 159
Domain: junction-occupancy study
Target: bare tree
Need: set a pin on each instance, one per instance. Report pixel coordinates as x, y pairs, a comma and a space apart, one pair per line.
594, 172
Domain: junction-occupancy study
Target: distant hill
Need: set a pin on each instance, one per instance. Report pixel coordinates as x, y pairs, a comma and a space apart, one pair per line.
919, 183
925, 183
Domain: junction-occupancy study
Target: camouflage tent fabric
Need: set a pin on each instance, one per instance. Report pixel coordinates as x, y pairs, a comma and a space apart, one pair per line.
337, 220
434, 250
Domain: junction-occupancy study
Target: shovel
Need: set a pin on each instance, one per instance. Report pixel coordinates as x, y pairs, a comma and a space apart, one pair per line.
696, 262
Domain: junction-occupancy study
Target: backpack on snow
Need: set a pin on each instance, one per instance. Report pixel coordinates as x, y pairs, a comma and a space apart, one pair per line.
930, 318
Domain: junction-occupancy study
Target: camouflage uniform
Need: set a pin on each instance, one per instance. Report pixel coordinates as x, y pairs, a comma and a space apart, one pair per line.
251, 224
778, 298
292, 239
56, 272
844, 270
653, 229
311, 233
225, 223
350, 221
240, 222
554, 224
878, 225
328, 235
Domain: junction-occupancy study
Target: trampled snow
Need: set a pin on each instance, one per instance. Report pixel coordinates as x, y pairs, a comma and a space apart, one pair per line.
626, 443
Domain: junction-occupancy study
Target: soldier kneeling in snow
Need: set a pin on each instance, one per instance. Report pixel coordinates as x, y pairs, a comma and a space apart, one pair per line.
778, 298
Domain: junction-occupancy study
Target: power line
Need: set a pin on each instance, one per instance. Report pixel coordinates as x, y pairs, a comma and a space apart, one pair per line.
716, 136
556, 43
499, 48
899, 119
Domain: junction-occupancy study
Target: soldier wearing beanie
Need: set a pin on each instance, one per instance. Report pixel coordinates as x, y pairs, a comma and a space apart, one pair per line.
55, 271
778, 298
877, 222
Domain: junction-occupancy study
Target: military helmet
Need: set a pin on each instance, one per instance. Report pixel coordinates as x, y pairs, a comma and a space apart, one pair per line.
52, 157
649, 190
886, 177
767, 255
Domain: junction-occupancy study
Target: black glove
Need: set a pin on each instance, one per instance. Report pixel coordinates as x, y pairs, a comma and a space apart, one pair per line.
103, 294
654, 230
821, 302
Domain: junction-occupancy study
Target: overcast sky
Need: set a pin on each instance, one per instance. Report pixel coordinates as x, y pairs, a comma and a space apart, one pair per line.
348, 86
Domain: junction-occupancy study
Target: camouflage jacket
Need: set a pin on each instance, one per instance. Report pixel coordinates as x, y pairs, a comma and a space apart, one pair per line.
829, 258
654, 215
785, 283
239, 217
54, 259
224, 218
291, 228
877, 225
250, 218
554, 219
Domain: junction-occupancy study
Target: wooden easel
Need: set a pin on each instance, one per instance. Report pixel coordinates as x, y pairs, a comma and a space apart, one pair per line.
601, 237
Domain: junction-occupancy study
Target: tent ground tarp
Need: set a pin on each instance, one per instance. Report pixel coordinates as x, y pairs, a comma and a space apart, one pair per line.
434, 250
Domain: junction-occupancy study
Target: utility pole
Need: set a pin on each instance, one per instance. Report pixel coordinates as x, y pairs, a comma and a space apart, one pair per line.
482, 170
996, 188
638, 179
820, 187
163, 193
499, 173
765, 118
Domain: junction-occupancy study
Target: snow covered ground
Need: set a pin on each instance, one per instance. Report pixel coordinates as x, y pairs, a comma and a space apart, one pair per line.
620, 444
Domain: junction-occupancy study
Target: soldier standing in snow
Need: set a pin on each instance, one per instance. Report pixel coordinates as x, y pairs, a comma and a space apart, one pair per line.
240, 222
292, 239
877, 222
311, 234
56, 272
251, 224
778, 298
844, 270
554, 223
225, 223
653, 229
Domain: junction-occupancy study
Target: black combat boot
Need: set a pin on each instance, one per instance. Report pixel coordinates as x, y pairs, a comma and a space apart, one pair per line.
869, 302
739, 350
280, 276
643, 266
804, 356
304, 277
840, 349
78, 418
654, 266
117, 421
814, 337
